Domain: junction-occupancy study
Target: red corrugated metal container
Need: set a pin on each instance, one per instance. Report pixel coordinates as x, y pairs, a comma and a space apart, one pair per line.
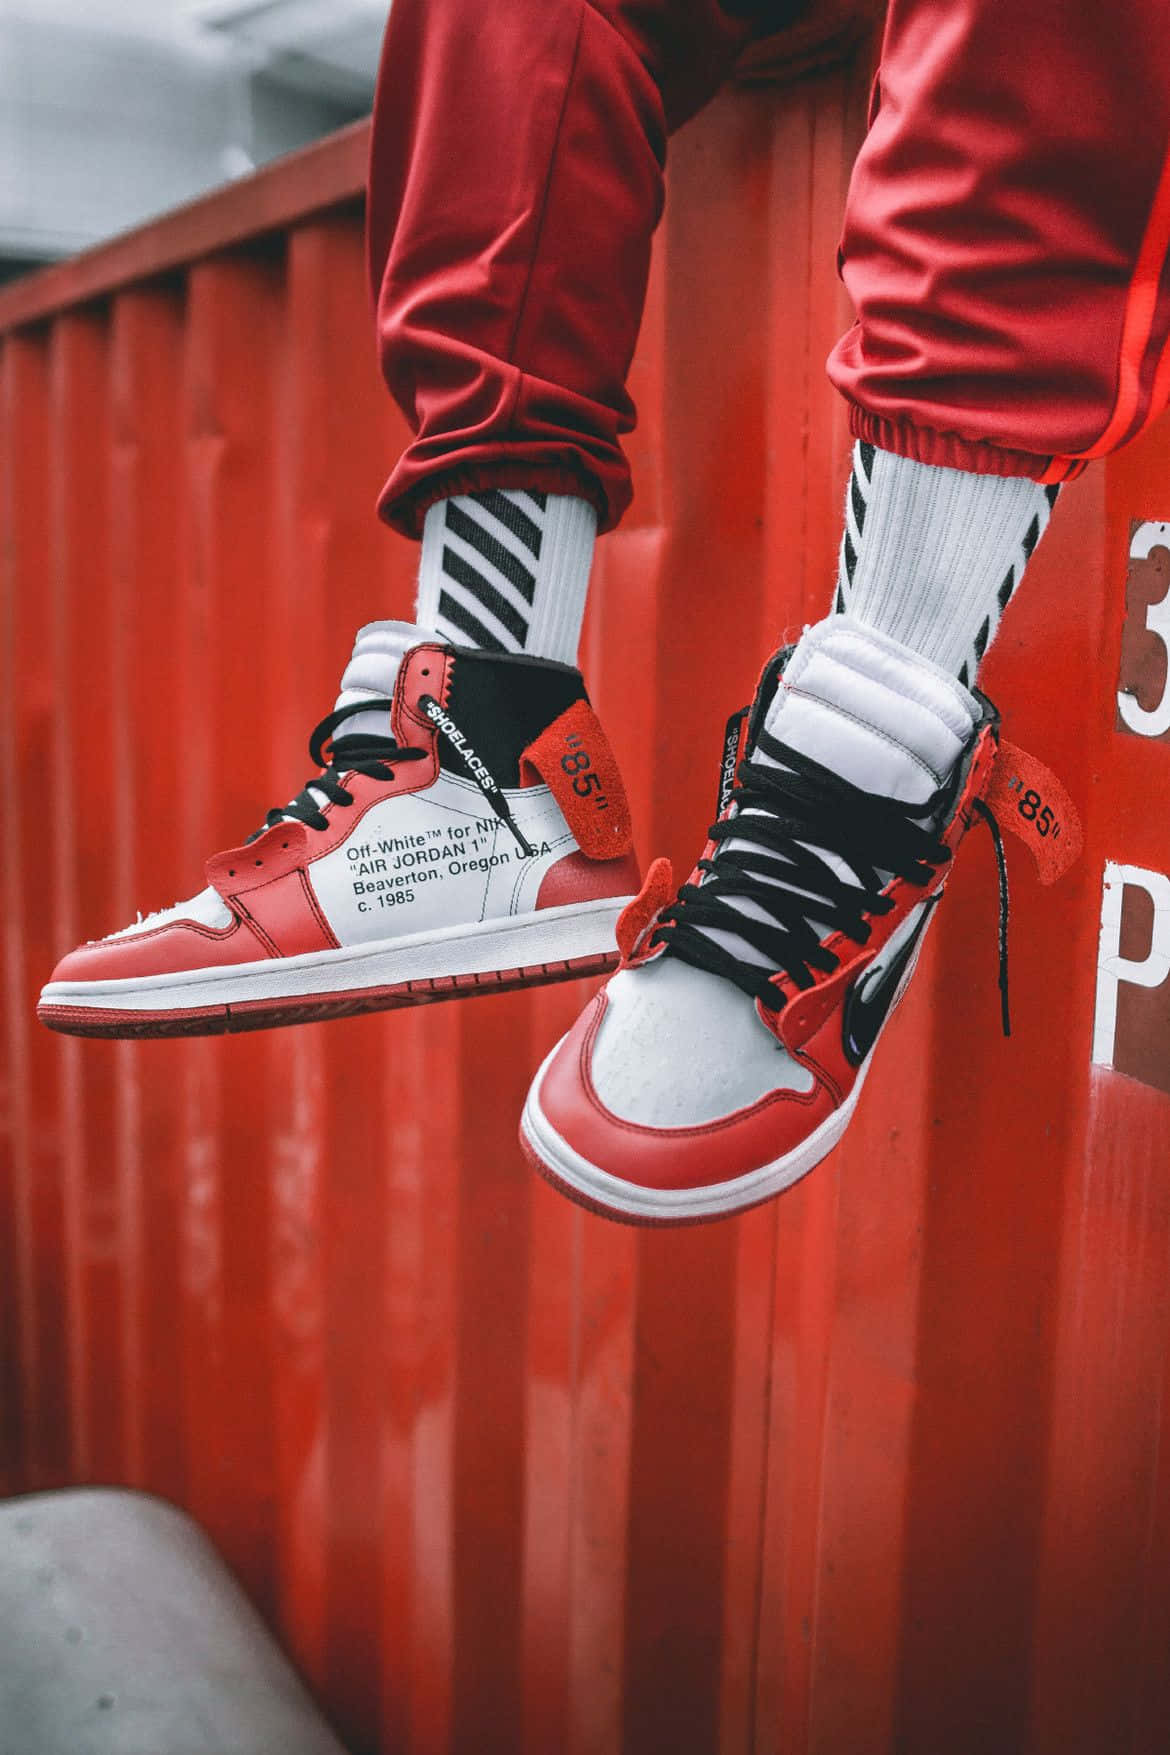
880, 1468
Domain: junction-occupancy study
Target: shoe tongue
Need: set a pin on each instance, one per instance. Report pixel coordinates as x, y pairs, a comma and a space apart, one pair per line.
372, 672
871, 710
874, 713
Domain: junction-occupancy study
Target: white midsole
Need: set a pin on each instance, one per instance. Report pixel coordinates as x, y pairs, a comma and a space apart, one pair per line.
664, 1204
552, 935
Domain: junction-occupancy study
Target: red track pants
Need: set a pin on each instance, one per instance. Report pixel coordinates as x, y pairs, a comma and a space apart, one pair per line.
1005, 240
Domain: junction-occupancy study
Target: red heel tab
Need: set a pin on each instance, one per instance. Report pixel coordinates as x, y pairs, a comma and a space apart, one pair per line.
637, 915
1028, 799
573, 758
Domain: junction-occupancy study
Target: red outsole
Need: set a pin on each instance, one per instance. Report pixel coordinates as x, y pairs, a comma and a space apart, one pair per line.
274, 1014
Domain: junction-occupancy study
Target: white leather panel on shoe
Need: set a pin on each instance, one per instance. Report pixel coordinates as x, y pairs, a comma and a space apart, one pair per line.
679, 1047
431, 859
205, 909
378, 652
876, 713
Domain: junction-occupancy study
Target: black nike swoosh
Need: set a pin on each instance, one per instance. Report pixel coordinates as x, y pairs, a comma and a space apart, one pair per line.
867, 1005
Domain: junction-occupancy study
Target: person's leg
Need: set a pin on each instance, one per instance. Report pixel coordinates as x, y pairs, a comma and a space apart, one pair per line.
932, 556
507, 570
516, 180
1006, 233
468, 828
1005, 245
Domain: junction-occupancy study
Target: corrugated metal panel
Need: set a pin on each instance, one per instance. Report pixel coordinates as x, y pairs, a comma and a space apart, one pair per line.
880, 1468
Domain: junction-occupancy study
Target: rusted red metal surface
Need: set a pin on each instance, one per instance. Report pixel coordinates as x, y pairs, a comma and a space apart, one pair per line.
881, 1469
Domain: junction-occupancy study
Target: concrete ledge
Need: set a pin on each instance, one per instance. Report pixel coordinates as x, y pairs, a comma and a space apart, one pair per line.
123, 1633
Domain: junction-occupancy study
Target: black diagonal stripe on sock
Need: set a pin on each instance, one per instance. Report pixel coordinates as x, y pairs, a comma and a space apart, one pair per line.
484, 593
865, 453
858, 501
1052, 493
1004, 594
540, 499
453, 612
839, 606
511, 517
964, 676
982, 637
1031, 537
850, 558
501, 558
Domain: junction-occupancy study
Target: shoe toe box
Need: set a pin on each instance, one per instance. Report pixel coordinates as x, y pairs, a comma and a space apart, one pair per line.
672, 1129
200, 934
680, 1047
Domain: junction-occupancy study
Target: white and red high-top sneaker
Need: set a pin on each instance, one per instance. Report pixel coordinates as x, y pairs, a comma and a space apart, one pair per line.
468, 832
726, 1058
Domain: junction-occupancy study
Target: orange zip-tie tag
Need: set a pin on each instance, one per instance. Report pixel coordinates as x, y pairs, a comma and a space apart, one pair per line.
1028, 799
573, 758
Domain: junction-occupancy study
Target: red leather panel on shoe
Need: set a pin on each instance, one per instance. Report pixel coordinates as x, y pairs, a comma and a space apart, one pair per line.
815, 1038
164, 950
974, 786
578, 879
290, 846
277, 853
676, 1157
654, 895
265, 881
797, 1022
426, 670
285, 912
573, 758
807, 1008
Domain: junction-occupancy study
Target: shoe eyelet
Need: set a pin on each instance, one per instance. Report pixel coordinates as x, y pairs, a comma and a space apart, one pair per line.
259, 862
284, 846
232, 872
425, 673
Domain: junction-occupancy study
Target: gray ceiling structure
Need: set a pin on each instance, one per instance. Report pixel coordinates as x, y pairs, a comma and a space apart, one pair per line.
114, 110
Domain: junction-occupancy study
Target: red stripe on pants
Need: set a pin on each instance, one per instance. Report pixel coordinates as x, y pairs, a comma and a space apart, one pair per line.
1005, 236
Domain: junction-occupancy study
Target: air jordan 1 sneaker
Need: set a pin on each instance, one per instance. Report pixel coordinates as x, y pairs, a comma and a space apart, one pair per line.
727, 1055
466, 831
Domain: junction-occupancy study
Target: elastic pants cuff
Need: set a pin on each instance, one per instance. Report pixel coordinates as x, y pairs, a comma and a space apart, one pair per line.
405, 507
952, 451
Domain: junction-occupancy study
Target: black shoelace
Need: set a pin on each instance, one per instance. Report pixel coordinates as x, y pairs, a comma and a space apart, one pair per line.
476, 769
1004, 910
362, 752
779, 809
797, 803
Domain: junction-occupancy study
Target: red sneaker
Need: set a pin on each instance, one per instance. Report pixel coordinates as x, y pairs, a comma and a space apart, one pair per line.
726, 1058
468, 832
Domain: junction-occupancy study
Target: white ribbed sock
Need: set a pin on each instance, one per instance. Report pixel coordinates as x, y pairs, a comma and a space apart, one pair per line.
932, 556
372, 672
507, 571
